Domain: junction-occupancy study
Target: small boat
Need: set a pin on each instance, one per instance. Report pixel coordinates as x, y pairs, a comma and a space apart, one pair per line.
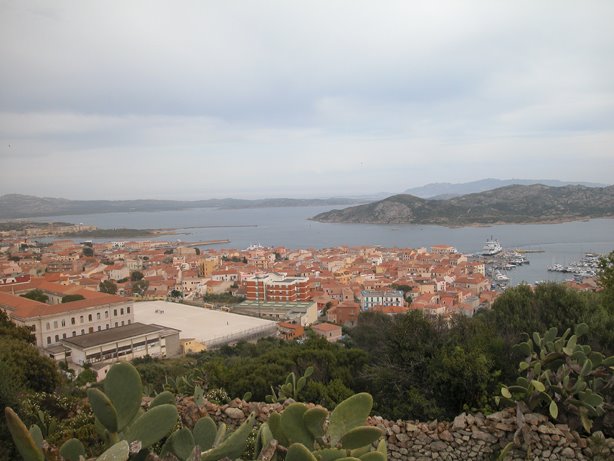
499, 277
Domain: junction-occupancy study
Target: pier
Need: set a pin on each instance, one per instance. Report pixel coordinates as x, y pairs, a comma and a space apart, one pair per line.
204, 242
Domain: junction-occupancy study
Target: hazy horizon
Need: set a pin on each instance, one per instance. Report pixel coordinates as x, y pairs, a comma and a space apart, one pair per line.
307, 196
201, 99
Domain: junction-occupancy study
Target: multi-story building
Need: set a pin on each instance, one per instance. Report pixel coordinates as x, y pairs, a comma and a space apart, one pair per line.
276, 287
381, 298
51, 323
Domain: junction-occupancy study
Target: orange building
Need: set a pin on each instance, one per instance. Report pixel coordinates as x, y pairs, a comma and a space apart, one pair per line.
276, 287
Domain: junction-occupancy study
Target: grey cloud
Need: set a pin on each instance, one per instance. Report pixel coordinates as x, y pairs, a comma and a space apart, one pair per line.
355, 79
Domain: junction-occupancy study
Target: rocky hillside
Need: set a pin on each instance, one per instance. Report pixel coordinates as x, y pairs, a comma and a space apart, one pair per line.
445, 190
511, 204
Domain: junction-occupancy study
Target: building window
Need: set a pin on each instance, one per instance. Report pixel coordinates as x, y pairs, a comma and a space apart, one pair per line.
74, 333
91, 330
106, 314
128, 309
81, 318
115, 312
107, 327
48, 339
63, 335
82, 331
128, 321
122, 323
121, 311
55, 324
99, 328
72, 320
57, 338
115, 323
89, 318
48, 325
97, 315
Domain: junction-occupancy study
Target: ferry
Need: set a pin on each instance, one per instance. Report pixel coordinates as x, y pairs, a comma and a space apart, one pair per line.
492, 247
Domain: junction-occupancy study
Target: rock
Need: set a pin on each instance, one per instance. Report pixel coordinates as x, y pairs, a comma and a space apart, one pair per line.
438, 446
423, 438
445, 435
480, 435
533, 418
504, 427
460, 422
411, 427
568, 453
402, 437
234, 413
396, 429
549, 429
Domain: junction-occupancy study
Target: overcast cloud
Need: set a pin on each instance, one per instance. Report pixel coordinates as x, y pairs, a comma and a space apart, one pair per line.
199, 99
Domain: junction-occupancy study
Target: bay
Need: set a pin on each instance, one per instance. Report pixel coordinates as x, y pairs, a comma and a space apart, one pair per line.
290, 227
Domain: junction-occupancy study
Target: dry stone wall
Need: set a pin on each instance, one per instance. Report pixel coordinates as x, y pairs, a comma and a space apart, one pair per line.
469, 437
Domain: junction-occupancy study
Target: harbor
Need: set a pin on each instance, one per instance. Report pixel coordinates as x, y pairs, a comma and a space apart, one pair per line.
498, 261
585, 267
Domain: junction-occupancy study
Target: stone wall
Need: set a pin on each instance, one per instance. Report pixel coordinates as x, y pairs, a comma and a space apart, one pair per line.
468, 437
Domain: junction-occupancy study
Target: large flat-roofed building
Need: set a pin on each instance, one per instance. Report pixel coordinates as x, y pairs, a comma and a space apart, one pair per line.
123, 343
54, 321
276, 287
304, 313
209, 327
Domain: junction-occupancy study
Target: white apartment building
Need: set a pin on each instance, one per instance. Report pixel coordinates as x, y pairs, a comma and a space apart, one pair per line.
380, 298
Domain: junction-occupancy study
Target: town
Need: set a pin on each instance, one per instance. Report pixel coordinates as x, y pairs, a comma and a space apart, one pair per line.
96, 302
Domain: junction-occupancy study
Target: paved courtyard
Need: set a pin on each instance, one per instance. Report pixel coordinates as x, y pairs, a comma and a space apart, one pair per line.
207, 326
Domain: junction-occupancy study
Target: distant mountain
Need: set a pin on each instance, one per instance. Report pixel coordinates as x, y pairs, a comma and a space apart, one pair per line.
26, 206
511, 204
445, 190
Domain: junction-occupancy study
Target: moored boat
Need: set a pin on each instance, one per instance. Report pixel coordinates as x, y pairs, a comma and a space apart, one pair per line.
492, 247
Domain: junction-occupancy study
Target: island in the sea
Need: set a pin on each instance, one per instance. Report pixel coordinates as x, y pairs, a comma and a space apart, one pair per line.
516, 204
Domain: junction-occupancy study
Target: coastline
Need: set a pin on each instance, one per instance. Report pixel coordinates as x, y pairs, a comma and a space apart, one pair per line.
559, 220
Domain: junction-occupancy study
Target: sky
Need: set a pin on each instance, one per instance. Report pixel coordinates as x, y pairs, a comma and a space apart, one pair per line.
253, 99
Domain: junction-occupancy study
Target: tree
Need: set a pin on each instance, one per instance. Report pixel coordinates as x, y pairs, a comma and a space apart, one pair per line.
108, 286
88, 251
71, 298
135, 276
31, 369
140, 287
36, 295
9, 329
176, 294
606, 279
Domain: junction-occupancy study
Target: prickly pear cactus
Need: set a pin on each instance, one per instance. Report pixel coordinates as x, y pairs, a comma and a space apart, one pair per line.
564, 376
313, 434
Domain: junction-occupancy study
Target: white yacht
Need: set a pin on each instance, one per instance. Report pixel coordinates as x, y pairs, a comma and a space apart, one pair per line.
492, 247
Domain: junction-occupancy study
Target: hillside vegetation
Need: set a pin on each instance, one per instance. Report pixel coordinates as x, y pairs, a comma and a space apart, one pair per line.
511, 204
